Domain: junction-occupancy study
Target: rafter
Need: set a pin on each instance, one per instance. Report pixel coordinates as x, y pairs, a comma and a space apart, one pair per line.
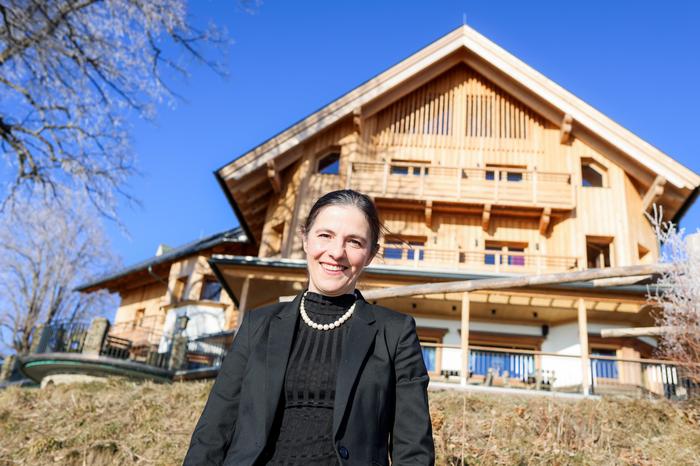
655, 191
565, 129
486, 217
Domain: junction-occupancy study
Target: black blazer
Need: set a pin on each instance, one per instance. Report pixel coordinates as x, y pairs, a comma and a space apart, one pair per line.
381, 402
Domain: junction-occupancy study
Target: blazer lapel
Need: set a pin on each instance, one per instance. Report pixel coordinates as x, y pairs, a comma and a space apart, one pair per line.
279, 345
358, 341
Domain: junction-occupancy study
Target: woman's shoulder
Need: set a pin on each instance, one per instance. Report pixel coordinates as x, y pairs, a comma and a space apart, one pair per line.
389, 316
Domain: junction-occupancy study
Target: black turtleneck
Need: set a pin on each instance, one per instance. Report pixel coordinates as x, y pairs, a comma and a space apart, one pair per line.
302, 432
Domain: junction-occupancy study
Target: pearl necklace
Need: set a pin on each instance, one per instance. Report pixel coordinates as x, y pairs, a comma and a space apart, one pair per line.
330, 326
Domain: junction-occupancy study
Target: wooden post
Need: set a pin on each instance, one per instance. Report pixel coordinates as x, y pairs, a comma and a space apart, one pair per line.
464, 373
534, 186
583, 340
242, 304
386, 177
459, 182
349, 176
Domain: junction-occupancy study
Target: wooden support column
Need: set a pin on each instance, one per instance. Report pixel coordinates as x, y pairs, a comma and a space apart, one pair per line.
464, 373
583, 340
243, 302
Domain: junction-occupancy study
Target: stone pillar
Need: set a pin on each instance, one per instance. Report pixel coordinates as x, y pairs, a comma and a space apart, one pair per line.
40, 339
8, 366
96, 336
178, 353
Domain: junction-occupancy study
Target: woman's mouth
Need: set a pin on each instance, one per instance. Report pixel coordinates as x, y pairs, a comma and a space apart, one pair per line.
333, 269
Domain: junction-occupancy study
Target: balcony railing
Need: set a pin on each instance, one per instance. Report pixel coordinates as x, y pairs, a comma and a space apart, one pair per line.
497, 186
559, 372
144, 331
488, 260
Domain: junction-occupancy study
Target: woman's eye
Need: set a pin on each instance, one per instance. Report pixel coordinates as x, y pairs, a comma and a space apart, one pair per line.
324, 235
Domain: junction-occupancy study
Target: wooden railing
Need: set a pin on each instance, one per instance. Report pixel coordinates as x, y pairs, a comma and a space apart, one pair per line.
496, 186
496, 261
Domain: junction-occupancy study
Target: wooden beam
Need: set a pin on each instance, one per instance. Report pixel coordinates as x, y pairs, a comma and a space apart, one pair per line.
565, 129
464, 370
583, 340
619, 281
486, 217
655, 191
515, 282
357, 120
429, 213
242, 303
635, 332
545, 220
273, 176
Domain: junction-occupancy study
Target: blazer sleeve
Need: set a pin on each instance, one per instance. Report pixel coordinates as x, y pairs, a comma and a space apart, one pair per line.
213, 433
412, 433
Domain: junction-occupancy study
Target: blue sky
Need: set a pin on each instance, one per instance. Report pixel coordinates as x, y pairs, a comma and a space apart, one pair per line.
634, 61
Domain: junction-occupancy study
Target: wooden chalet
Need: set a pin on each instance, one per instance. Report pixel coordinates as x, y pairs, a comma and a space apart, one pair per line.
481, 167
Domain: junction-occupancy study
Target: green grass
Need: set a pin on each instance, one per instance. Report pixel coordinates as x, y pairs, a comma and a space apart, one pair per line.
126, 423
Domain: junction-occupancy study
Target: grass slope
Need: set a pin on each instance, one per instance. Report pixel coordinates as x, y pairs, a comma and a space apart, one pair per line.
126, 423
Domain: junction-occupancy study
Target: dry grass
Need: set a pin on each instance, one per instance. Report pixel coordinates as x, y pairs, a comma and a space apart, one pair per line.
127, 423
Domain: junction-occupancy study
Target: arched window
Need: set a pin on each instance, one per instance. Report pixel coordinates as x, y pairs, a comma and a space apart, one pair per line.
329, 164
593, 174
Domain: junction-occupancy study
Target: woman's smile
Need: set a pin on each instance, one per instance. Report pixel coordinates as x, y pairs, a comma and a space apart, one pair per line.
337, 249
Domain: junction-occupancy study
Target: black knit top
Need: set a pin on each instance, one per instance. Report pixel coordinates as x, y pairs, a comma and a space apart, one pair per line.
302, 432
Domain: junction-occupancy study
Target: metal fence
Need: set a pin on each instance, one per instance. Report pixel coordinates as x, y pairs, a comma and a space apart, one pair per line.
62, 337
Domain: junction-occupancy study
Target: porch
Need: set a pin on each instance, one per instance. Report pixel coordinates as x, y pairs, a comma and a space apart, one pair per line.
539, 370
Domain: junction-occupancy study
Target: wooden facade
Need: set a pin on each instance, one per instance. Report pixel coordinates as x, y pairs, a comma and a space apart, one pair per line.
479, 167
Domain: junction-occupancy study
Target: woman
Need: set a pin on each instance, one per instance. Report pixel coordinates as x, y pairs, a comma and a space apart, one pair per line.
328, 378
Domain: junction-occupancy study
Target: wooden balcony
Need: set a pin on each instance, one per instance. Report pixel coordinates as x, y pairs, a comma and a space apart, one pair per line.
482, 260
495, 186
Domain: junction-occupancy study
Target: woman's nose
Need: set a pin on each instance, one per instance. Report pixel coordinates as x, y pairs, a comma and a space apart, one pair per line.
336, 249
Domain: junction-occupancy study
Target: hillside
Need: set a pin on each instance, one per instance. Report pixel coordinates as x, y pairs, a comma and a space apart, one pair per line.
126, 423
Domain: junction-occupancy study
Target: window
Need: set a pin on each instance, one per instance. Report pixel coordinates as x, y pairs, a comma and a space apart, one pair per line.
432, 354
593, 174
598, 252
211, 289
509, 173
329, 164
505, 253
138, 317
408, 168
394, 248
179, 291
603, 368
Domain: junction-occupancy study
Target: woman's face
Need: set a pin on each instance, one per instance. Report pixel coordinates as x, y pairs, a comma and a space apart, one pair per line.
338, 247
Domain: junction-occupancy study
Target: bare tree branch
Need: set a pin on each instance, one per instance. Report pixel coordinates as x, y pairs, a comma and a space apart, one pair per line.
72, 71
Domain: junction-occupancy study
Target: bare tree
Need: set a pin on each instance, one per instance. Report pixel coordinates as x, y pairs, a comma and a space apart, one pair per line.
71, 71
677, 296
46, 250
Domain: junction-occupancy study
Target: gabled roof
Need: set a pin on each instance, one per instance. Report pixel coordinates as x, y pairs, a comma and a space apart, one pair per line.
467, 39
235, 235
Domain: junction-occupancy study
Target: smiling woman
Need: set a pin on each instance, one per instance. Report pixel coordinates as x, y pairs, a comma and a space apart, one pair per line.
326, 388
